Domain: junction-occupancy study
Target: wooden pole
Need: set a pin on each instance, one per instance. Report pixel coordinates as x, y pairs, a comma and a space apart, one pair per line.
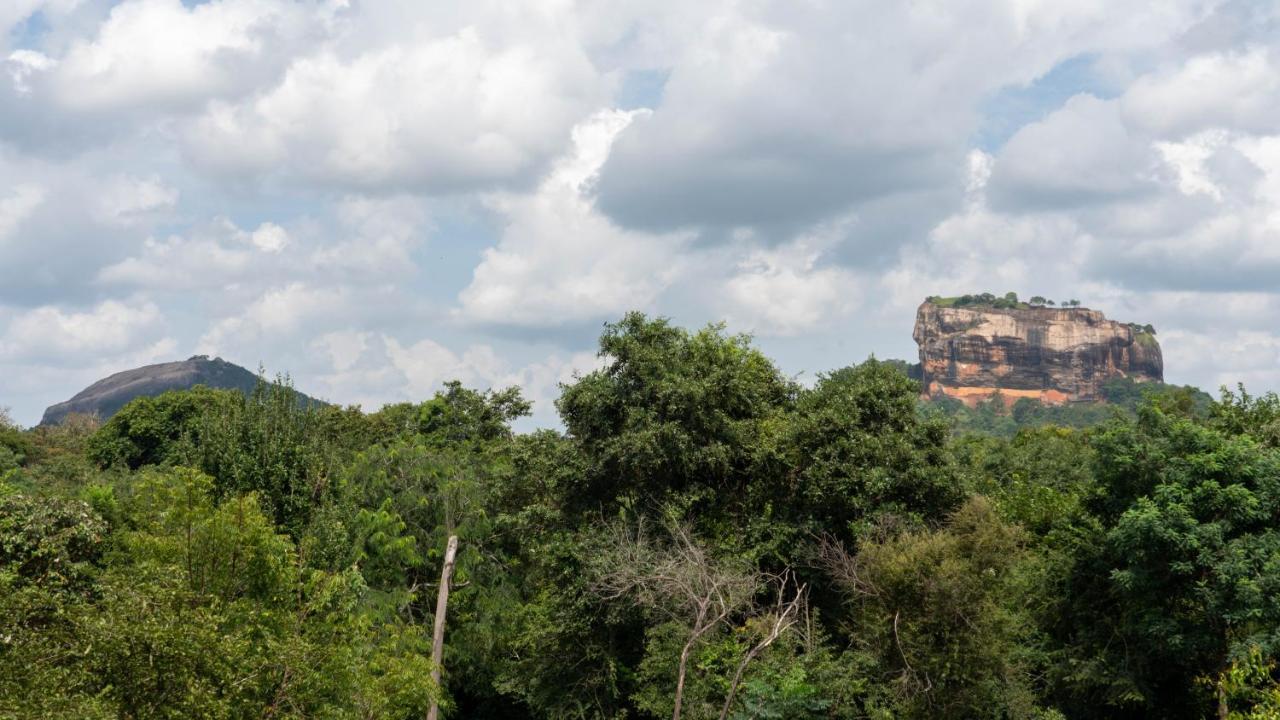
437, 637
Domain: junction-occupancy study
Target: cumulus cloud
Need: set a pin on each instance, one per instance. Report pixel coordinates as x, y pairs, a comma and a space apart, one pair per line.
163, 54
376, 241
439, 113
787, 290
1238, 89
177, 263
53, 335
22, 64
1170, 186
60, 223
559, 260
1081, 154
778, 115
125, 199
344, 347
378, 196
17, 206
276, 314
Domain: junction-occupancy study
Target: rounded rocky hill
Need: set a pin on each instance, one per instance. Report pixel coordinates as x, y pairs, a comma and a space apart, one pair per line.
105, 397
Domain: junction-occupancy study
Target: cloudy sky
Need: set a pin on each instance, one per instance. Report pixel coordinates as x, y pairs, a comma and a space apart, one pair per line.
379, 195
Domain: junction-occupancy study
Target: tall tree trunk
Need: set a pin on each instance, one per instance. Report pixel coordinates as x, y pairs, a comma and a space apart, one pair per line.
737, 680
437, 637
684, 662
1224, 709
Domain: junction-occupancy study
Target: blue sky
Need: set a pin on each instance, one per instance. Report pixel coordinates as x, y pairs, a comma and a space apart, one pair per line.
377, 196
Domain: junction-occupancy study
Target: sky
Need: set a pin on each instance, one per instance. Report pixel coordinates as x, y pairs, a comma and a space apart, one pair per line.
377, 196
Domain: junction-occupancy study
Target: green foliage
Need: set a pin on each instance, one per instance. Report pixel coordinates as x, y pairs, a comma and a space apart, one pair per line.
860, 449
15, 445
1190, 527
1249, 688
150, 430
456, 416
674, 411
1239, 413
1008, 301
1040, 479
940, 611
1121, 396
57, 459
51, 552
207, 554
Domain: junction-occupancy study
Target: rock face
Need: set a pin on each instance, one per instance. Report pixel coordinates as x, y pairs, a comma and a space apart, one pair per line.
1054, 355
105, 397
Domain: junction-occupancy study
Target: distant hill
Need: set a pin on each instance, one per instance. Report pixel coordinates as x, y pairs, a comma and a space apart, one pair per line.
105, 397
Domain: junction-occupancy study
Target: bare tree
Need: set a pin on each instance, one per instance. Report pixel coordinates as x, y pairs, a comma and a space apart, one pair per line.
785, 613
437, 637
847, 571
677, 577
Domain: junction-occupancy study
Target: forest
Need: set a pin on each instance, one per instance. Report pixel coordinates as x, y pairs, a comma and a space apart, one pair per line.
703, 537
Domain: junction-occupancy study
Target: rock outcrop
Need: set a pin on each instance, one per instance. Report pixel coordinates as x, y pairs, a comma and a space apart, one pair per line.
105, 397
1054, 355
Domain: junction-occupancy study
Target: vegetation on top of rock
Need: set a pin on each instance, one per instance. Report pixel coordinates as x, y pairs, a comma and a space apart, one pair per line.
1008, 301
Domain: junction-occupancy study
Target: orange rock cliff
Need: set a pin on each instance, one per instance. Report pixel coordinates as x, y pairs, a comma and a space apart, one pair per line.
1054, 355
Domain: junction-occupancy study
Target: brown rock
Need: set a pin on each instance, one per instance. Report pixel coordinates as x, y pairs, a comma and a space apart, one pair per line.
105, 397
1054, 355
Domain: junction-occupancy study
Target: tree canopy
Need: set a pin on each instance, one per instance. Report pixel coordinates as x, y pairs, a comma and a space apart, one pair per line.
704, 537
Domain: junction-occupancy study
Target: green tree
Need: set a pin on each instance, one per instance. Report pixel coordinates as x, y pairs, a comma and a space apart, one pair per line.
1184, 561
674, 411
151, 430
455, 416
208, 610
15, 445
860, 449
940, 610
51, 554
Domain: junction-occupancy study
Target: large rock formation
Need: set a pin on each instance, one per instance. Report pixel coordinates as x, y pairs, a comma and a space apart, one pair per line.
1053, 355
105, 397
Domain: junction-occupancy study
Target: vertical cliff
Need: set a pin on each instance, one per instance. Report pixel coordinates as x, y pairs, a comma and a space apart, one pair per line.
1054, 355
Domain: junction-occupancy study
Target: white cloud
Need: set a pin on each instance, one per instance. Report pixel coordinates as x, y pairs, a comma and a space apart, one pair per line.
53, 335
344, 347
179, 264
22, 64
1080, 154
124, 199
438, 113
1187, 159
162, 53
17, 206
274, 316
786, 290
1224, 357
1238, 89
378, 237
427, 365
298, 183
269, 238
783, 114
559, 261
